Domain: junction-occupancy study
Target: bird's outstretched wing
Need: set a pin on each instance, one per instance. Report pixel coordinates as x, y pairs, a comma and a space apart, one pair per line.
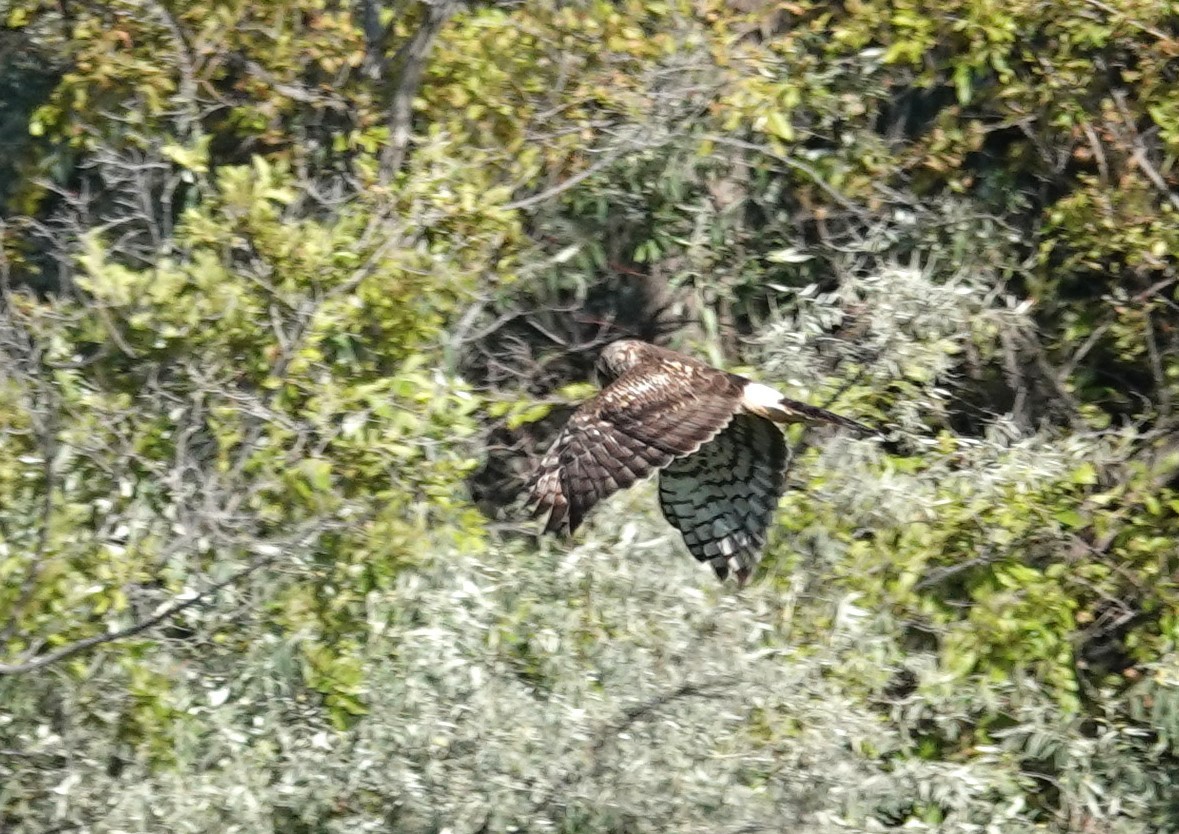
651, 415
723, 496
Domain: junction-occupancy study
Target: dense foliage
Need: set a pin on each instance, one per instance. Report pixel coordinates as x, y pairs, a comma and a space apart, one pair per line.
293, 291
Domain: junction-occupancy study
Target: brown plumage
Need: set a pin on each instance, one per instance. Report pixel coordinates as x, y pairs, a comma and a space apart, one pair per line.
711, 434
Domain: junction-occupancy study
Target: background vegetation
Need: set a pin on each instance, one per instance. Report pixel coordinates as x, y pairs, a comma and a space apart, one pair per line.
294, 291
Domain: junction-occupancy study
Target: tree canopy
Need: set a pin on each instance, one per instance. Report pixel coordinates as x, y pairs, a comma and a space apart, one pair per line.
295, 292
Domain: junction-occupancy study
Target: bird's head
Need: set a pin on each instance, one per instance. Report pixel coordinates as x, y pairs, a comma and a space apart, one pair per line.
618, 358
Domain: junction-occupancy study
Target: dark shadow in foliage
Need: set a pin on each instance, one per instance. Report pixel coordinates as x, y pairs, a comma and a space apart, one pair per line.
26, 80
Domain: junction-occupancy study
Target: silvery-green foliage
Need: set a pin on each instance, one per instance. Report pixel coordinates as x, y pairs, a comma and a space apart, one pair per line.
1108, 767
911, 325
612, 687
964, 471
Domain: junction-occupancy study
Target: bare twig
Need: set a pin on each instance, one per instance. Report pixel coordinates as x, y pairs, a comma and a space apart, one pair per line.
608, 733
1119, 14
190, 123
790, 162
67, 651
1098, 153
608, 159
1156, 364
1138, 149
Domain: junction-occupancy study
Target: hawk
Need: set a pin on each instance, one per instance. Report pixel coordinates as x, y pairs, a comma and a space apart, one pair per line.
710, 434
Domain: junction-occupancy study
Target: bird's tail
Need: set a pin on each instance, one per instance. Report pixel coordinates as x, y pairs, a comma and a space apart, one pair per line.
766, 402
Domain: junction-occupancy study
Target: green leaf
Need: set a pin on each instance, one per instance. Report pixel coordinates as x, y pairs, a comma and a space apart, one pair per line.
778, 124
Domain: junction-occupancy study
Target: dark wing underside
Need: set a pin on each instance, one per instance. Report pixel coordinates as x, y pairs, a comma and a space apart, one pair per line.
723, 496
649, 416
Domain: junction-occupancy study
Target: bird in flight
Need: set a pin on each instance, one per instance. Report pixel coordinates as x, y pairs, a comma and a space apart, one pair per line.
710, 434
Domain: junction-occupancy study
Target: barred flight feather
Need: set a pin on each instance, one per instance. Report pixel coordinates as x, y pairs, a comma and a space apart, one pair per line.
710, 433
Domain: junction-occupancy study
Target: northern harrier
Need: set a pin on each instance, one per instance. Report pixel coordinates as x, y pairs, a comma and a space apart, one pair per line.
711, 435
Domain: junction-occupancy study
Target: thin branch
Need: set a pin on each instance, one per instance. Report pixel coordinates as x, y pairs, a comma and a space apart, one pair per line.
548, 193
412, 58
1154, 289
1062, 374
167, 613
1118, 14
1156, 365
328, 100
1138, 150
1098, 153
374, 32
789, 162
375, 38
608, 733
190, 122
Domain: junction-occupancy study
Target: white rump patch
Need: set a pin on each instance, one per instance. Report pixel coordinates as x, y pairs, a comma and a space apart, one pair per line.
760, 398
